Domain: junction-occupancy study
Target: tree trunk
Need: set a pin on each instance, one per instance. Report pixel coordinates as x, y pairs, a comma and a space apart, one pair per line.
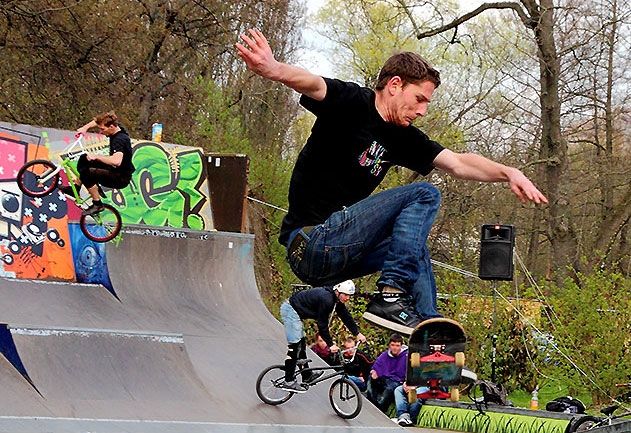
553, 146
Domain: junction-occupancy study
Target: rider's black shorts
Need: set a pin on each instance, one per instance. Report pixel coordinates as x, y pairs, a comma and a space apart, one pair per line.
97, 172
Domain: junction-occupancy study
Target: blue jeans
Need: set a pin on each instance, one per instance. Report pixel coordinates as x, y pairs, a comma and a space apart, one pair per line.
385, 232
357, 381
402, 405
380, 392
294, 330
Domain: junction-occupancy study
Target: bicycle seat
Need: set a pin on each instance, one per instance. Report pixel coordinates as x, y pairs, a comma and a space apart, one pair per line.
609, 409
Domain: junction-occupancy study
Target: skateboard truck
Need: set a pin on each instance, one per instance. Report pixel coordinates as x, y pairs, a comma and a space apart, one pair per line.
438, 357
434, 391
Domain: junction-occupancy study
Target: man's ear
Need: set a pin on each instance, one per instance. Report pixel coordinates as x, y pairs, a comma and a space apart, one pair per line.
394, 84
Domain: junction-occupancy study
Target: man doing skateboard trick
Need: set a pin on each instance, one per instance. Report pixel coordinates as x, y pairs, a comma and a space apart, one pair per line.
335, 229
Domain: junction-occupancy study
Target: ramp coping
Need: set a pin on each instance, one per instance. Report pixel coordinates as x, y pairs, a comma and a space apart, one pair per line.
162, 337
173, 232
49, 282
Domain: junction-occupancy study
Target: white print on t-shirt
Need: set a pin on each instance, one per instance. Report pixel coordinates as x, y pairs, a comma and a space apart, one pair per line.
371, 157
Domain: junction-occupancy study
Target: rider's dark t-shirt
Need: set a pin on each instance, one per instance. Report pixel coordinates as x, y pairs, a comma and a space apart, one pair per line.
347, 155
120, 142
318, 303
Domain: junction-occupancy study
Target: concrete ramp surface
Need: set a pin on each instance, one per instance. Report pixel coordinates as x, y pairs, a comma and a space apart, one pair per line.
178, 349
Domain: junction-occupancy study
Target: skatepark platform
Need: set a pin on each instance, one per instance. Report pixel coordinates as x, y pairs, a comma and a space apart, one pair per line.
178, 349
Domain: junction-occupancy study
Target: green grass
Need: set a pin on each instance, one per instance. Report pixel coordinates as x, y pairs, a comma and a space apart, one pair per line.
547, 393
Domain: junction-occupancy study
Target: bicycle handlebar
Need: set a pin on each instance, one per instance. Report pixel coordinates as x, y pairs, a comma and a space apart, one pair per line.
340, 353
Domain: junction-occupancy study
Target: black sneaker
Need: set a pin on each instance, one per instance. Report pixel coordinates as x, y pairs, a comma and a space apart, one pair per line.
312, 376
396, 313
292, 386
94, 208
67, 189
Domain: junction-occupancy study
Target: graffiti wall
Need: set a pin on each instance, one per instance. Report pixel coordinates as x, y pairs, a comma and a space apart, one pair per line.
169, 188
34, 239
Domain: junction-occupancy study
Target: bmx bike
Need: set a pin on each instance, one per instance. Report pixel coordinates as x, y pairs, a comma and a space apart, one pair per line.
344, 396
39, 177
588, 422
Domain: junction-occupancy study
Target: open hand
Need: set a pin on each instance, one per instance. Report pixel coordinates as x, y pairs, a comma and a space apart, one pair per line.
257, 54
524, 189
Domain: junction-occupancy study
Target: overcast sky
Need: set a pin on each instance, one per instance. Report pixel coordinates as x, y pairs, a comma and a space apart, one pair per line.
313, 57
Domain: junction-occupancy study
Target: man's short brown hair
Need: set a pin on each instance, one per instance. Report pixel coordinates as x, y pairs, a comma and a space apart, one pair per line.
108, 118
410, 67
396, 338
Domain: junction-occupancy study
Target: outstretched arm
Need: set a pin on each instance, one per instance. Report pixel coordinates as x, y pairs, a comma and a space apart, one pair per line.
470, 166
258, 56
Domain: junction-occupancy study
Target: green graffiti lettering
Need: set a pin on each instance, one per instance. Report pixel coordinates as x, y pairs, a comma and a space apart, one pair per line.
165, 189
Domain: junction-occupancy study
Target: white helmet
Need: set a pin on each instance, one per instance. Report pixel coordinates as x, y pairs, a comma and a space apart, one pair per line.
347, 287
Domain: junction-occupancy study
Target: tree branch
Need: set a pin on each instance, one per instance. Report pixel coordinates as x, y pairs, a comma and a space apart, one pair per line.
466, 17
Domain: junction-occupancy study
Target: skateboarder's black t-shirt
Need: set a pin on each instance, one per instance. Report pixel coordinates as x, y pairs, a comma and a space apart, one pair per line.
120, 142
348, 154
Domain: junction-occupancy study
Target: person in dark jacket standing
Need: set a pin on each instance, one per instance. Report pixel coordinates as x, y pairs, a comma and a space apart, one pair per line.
319, 304
113, 170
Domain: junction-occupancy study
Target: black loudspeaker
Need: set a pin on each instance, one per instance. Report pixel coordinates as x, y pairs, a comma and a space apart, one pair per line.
496, 252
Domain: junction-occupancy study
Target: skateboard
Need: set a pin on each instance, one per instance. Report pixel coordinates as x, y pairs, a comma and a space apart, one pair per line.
436, 357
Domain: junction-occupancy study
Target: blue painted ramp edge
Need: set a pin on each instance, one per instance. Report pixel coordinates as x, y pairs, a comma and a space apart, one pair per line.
10, 352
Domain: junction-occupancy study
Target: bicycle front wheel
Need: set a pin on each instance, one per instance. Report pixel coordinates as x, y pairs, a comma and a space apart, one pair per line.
267, 386
345, 398
33, 178
102, 226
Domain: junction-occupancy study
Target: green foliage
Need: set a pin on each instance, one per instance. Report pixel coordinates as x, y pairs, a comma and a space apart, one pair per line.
594, 330
365, 35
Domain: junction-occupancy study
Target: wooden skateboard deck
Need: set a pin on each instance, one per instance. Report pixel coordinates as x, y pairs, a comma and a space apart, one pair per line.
436, 357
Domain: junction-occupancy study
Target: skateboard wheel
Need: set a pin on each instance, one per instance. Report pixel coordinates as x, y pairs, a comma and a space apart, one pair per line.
459, 359
454, 394
415, 360
412, 396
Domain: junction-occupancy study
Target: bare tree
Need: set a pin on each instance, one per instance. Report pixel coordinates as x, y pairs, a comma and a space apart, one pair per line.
538, 17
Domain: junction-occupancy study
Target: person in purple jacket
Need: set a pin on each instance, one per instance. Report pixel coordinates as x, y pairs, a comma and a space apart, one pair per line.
388, 372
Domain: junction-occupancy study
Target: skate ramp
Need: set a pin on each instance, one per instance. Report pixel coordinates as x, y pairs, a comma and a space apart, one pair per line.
179, 350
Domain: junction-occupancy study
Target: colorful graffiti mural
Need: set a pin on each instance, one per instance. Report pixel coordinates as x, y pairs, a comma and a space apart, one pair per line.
169, 188
166, 188
90, 261
33, 231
